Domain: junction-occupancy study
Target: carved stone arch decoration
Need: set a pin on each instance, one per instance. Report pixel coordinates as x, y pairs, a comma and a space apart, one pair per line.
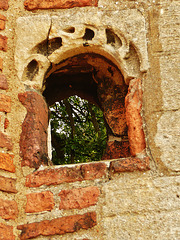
58, 56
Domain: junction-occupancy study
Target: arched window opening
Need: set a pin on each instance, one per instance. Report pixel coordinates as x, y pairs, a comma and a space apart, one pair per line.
96, 79
100, 63
78, 132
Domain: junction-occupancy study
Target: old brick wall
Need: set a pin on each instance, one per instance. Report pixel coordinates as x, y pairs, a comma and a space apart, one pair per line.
130, 198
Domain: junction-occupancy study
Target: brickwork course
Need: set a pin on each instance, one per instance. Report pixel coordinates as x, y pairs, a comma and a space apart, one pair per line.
131, 49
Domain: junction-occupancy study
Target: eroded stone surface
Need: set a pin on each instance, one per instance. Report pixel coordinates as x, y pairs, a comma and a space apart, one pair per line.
170, 86
154, 225
141, 195
168, 139
129, 22
33, 141
26, 44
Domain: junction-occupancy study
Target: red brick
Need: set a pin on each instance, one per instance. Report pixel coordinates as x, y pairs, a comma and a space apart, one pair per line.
6, 232
8, 209
38, 202
6, 162
8, 184
79, 198
4, 4
3, 82
64, 174
1, 64
6, 123
33, 139
58, 226
116, 149
3, 43
133, 103
53, 176
5, 103
58, 4
5, 141
115, 114
92, 171
130, 165
2, 17
2, 22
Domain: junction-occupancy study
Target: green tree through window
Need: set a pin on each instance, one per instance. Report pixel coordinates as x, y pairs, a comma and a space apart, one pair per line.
78, 131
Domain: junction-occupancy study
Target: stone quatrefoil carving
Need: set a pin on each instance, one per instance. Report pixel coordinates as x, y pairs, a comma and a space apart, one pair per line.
95, 55
43, 40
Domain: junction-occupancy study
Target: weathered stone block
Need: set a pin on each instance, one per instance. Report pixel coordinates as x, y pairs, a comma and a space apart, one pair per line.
168, 139
58, 4
6, 162
58, 226
140, 195
170, 83
148, 225
38, 202
8, 209
78, 198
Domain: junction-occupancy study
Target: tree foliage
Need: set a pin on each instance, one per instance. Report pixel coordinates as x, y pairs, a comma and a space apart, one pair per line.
78, 131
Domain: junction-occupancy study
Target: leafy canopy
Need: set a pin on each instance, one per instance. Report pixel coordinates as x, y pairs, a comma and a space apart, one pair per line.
78, 131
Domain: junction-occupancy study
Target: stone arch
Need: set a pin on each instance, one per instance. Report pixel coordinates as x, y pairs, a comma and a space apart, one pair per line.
96, 79
108, 55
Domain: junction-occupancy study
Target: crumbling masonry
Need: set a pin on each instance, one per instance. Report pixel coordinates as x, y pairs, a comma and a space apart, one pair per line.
121, 55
